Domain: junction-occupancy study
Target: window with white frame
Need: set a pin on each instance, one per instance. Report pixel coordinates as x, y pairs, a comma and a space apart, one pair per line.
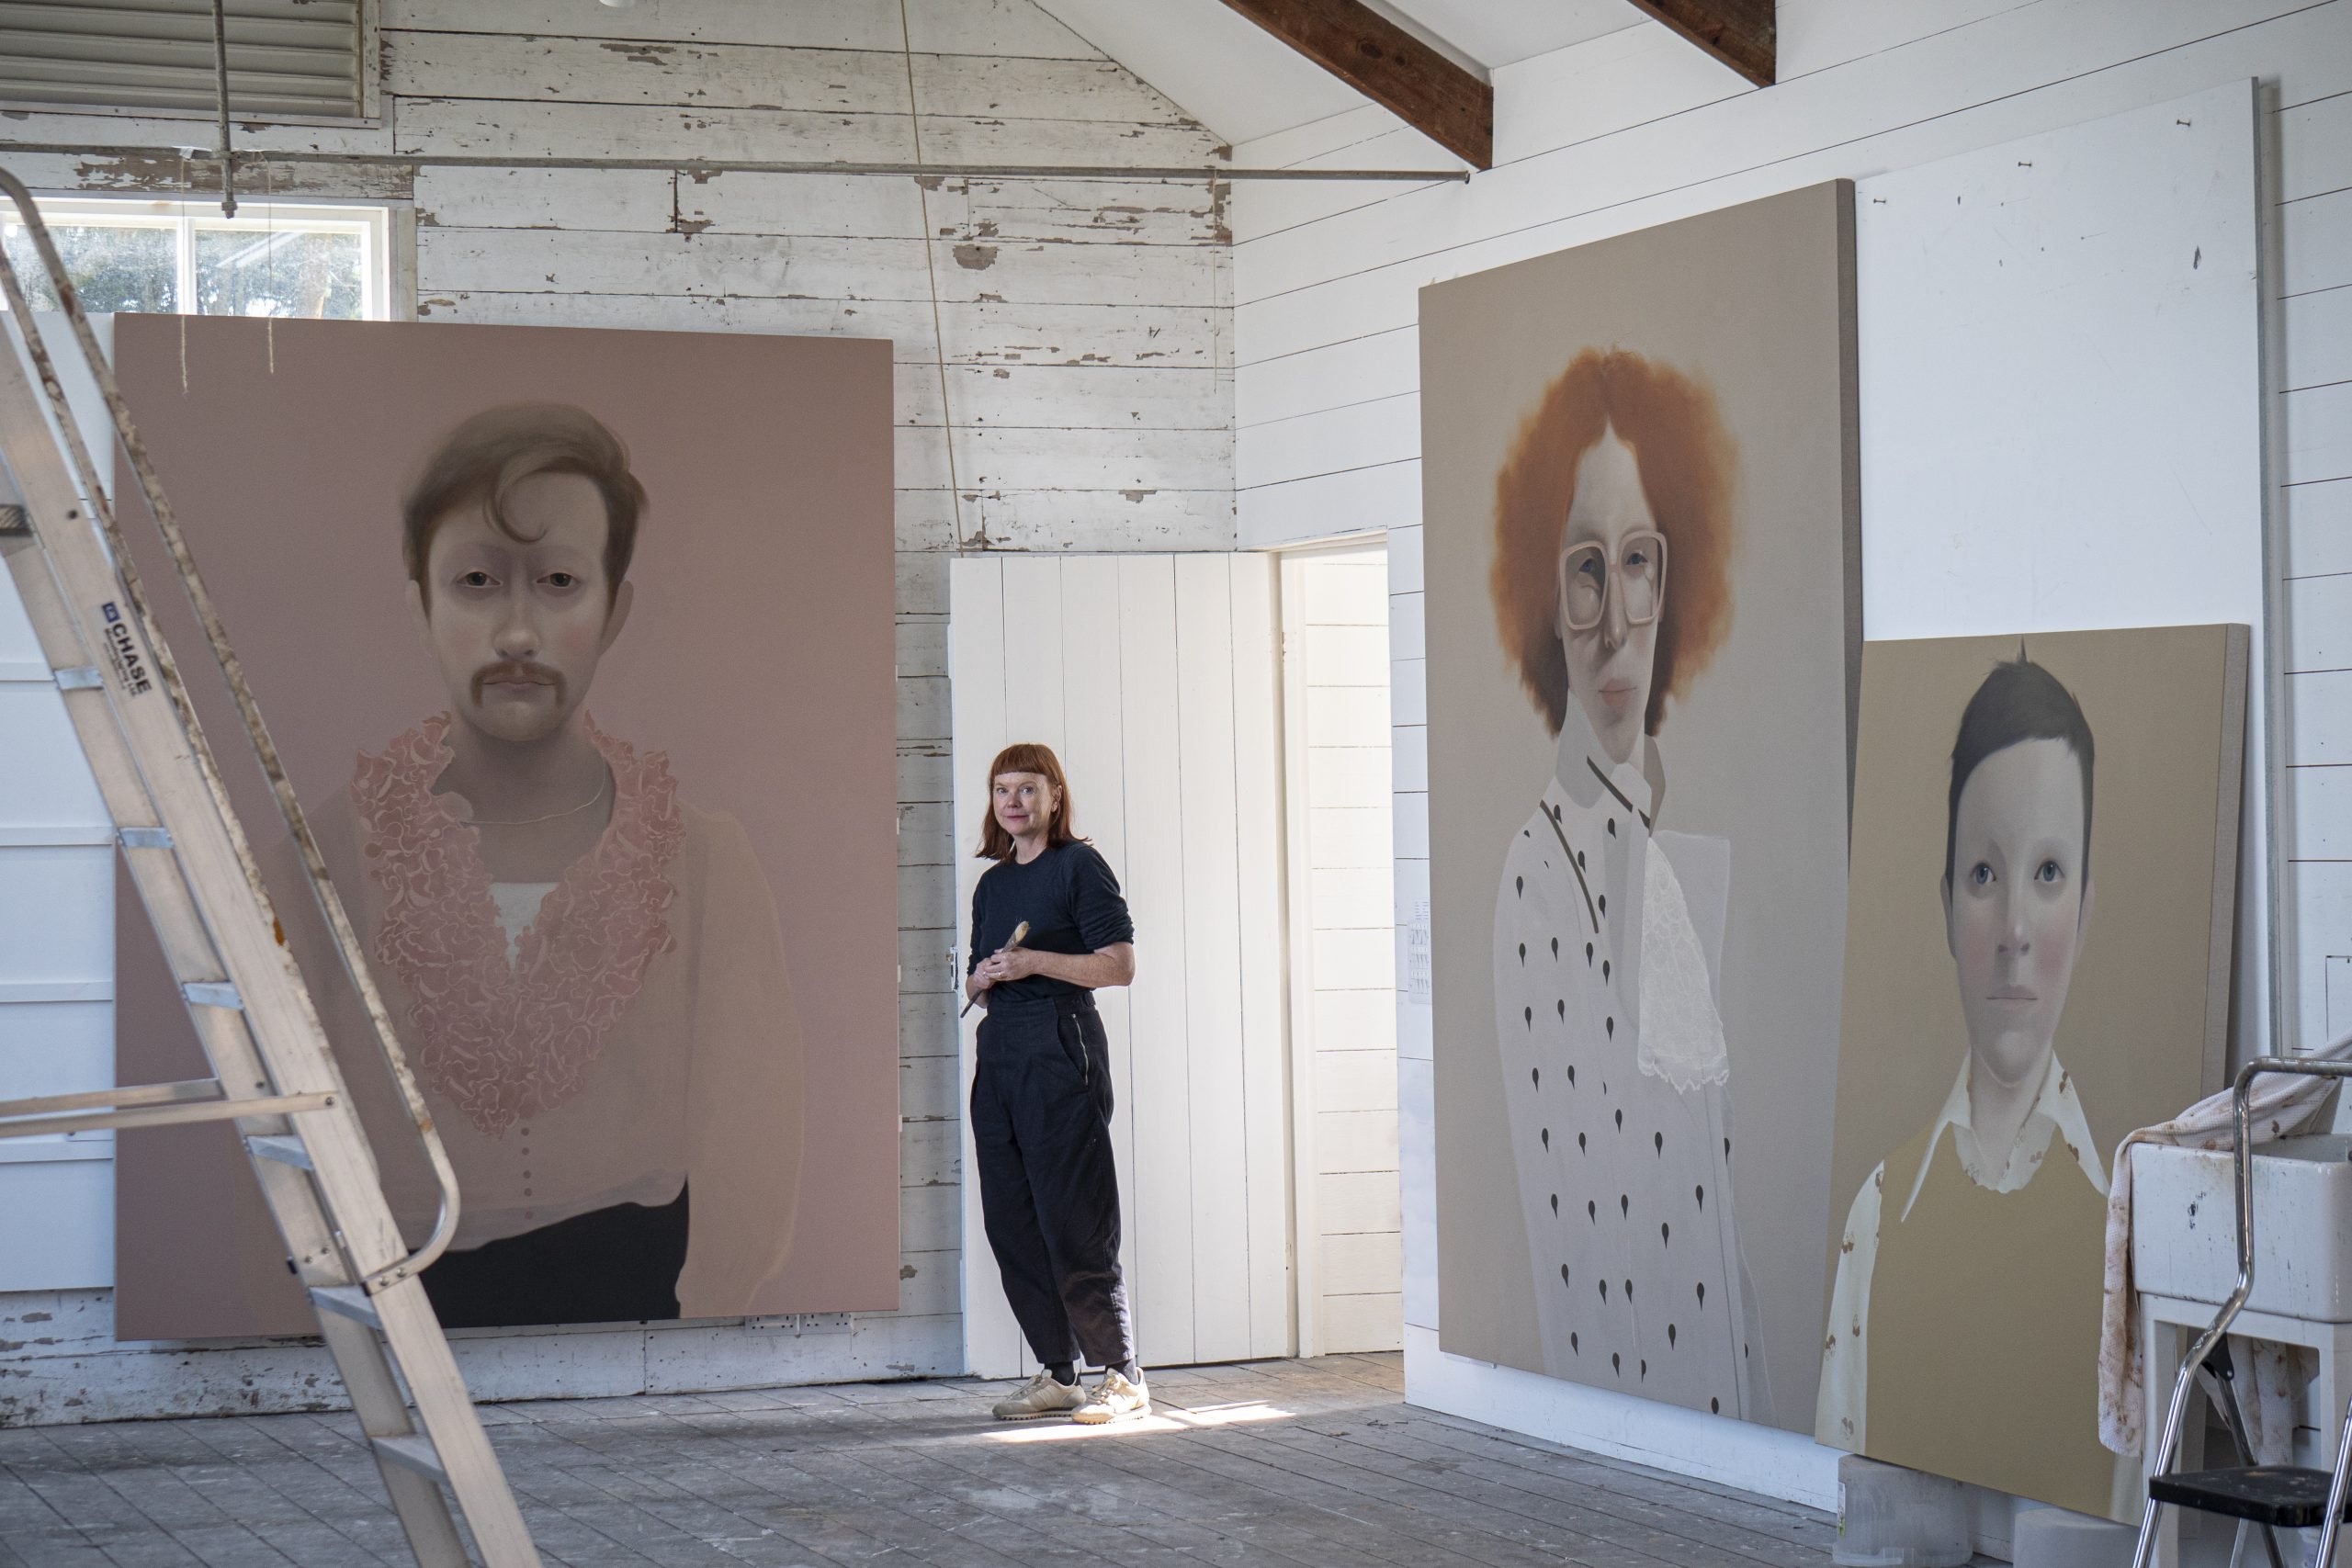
183, 257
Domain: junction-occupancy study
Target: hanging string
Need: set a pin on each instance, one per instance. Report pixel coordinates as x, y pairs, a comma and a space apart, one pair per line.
931, 268
187, 188
269, 256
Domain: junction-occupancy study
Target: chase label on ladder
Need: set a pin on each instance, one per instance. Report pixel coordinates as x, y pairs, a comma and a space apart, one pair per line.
129, 660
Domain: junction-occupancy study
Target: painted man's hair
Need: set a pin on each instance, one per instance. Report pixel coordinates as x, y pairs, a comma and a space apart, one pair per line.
2019, 701
483, 459
1686, 460
1025, 757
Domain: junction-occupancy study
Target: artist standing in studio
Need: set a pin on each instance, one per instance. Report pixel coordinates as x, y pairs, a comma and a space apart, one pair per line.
1053, 929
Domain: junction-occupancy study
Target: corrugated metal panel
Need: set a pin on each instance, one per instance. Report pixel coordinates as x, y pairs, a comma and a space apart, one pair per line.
298, 57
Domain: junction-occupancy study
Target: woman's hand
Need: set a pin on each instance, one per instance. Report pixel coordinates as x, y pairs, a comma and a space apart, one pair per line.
1008, 965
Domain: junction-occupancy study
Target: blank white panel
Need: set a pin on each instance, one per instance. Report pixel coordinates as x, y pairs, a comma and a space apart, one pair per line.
1358, 1201
56, 1224
1161, 1291
1351, 838
1258, 850
992, 1345
1213, 954
1347, 776
1033, 650
1095, 756
1363, 1079
1348, 592
1351, 897
55, 1048
1368, 1264
1348, 1021
56, 913
1355, 959
1409, 679
19, 648
1347, 656
44, 781
1363, 1323
1347, 716
2060, 356
1354, 1140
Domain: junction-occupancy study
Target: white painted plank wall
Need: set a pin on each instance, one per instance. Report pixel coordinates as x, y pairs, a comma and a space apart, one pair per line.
1638, 128
1064, 382
1154, 678
1335, 621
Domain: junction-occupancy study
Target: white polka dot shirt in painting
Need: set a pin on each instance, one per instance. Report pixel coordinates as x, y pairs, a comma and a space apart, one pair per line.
1618, 1081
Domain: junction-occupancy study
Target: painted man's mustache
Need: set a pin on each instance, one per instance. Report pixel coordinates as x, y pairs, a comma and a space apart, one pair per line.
518, 670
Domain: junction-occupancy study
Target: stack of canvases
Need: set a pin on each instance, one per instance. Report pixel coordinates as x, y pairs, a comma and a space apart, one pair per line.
1666, 774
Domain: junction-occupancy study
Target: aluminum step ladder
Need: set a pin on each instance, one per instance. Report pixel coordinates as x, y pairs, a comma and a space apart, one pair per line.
273, 1072
2271, 1495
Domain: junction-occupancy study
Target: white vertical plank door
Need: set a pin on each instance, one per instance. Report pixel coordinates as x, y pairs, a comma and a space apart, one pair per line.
56, 974
1257, 844
1156, 680
975, 689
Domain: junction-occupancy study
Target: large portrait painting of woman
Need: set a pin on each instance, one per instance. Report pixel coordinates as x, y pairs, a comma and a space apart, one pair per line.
1642, 603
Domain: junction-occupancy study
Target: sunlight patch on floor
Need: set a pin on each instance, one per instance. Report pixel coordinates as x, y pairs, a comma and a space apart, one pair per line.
1165, 1420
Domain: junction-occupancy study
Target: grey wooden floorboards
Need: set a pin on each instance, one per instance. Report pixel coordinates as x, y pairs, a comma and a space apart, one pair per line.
1290, 1464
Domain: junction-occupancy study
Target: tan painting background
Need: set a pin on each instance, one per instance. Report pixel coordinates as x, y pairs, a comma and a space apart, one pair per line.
2145, 1027
759, 655
1756, 300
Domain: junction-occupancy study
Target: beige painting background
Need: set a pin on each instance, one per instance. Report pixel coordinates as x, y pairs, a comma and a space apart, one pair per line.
2144, 1031
1756, 300
759, 655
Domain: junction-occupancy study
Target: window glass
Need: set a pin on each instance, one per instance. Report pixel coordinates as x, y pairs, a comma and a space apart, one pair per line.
280, 271
117, 266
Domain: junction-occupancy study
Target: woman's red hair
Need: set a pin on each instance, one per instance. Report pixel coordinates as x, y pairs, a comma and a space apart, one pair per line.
1025, 757
1686, 460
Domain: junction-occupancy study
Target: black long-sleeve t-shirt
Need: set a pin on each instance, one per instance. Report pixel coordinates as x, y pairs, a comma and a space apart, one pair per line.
1072, 904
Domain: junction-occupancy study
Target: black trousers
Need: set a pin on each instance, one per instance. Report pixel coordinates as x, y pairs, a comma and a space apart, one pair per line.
1049, 1194
613, 1264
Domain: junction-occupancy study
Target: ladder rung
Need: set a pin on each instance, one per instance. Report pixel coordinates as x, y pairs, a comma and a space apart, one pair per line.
79, 678
144, 838
198, 1089
347, 1301
412, 1452
283, 1149
212, 994
15, 1123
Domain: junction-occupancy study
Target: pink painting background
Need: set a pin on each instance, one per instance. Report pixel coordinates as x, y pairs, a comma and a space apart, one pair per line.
759, 655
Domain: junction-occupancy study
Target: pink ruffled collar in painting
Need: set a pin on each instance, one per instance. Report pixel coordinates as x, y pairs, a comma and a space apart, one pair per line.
506, 1040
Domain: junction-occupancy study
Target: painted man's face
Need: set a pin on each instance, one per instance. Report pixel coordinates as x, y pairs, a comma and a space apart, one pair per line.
2017, 903
1609, 659
516, 626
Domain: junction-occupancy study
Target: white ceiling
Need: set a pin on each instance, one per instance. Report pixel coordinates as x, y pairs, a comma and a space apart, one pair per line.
1243, 82
1504, 32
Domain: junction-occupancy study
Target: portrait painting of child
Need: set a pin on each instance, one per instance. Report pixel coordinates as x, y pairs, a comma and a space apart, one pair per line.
2037, 960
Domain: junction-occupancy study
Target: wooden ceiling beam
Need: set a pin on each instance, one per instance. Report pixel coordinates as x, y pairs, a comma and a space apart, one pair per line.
1743, 34
1453, 107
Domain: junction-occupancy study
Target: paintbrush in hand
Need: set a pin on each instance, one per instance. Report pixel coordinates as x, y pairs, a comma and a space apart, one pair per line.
1019, 931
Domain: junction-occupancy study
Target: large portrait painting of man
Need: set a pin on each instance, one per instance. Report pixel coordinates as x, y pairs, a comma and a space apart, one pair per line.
2037, 962
1642, 596
578, 647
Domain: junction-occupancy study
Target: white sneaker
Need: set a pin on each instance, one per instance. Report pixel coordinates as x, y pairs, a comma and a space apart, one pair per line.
1041, 1395
1115, 1399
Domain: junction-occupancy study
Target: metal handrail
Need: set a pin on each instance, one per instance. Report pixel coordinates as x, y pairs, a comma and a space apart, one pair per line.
2241, 1163
346, 941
